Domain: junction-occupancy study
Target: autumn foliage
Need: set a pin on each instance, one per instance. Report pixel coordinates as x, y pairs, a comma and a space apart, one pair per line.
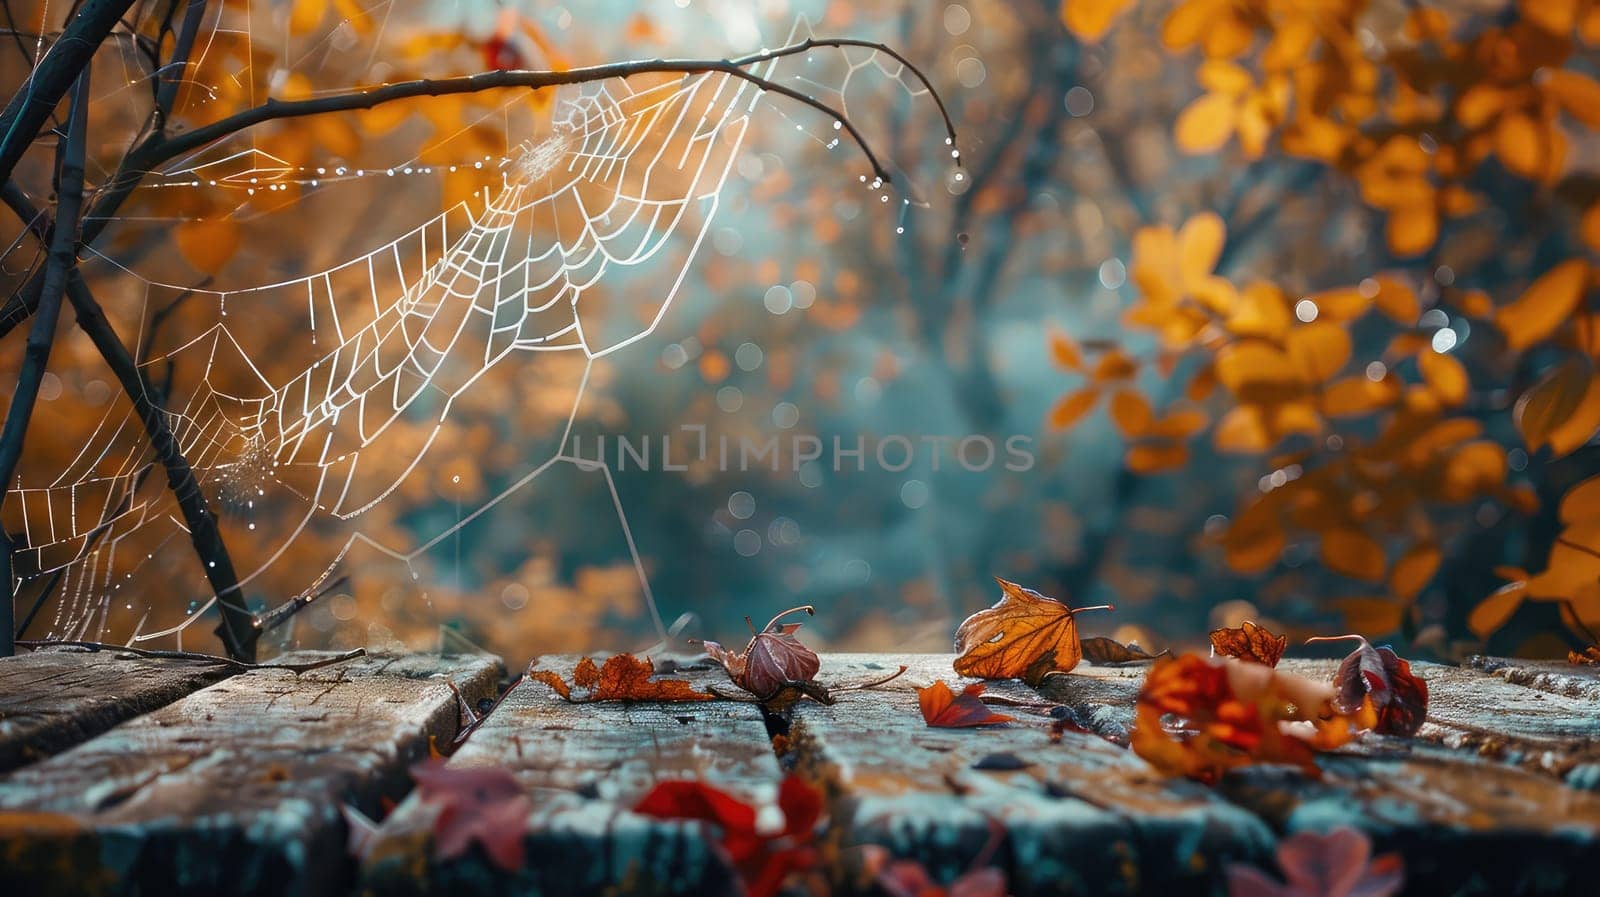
1226, 714
1380, 426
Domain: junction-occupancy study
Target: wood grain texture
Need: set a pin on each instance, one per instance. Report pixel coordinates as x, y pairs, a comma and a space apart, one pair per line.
585, 765
234, 789
53, 699
1082, 816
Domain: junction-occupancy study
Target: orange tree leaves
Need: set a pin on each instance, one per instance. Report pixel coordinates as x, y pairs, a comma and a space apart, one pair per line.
1249, 642
944, 709
622, 678
1023, 636
1229, 714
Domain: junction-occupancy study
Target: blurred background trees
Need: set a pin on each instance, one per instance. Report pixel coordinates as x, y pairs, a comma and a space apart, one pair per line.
1292, 299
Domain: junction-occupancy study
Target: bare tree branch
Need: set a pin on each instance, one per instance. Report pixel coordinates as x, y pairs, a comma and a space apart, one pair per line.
59, 264
238, 628
50, 80
273, 110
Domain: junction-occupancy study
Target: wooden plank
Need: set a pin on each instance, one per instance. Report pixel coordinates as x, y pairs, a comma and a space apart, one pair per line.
53, 699
1555, 676
584, 765
1083, 816
236, 788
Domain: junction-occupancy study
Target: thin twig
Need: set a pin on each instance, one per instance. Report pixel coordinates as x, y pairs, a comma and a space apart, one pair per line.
195, 656
50, 80
238, 628
273, 110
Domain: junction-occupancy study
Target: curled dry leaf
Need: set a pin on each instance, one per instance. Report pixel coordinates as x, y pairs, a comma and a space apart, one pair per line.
1231, 713
1023, 636
1105, 651
773, 659
622, 678
1384, 678
765, 858
1590, 656
944, 709
1338, 864
474, 804
1249, 642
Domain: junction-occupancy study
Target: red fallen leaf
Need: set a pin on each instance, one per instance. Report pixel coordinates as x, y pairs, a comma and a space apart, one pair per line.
1249, 642
773, 658
909, 878
1024, 635
1338, 864
1234, 713
764, 860
1400, 697
622, 678
475, 804
944, 709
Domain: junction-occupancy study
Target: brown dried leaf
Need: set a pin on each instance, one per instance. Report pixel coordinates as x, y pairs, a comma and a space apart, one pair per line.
1249, 642
623, 677
1105, 651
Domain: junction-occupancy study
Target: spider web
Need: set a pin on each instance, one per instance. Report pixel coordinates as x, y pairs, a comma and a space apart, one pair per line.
389, 341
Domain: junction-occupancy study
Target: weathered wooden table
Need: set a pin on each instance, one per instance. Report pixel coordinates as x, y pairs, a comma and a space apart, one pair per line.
132, 776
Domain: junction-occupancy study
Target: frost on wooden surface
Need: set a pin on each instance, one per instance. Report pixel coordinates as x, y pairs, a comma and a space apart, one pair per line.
235, 788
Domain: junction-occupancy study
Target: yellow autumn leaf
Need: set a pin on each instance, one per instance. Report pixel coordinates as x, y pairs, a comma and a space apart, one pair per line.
1549, 403
1091, 19
1475, 469
1493, 611
1131, 412
1065, 351
1372, 616
207, 243
1319, 350
1577, 93
1243, 430
1412, 229
1207, 123
1445, 375
1581, 426
1351, 552
1356, 395
1546, 305
1155, 457
1414, 570
1257, 372
1072, 407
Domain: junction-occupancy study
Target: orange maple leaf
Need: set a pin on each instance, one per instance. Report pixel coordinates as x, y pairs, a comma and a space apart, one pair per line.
1023, 636
1249, 642
622, 678
944, 709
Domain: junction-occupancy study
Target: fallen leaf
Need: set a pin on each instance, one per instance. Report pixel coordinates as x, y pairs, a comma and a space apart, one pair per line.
908, 878
475, 804
1104, 652
1232, 713
1249, 642
1338, 864
764, 858
1384, 678
944, 709
1590, 656
1023, 636
773, 658
622, 678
